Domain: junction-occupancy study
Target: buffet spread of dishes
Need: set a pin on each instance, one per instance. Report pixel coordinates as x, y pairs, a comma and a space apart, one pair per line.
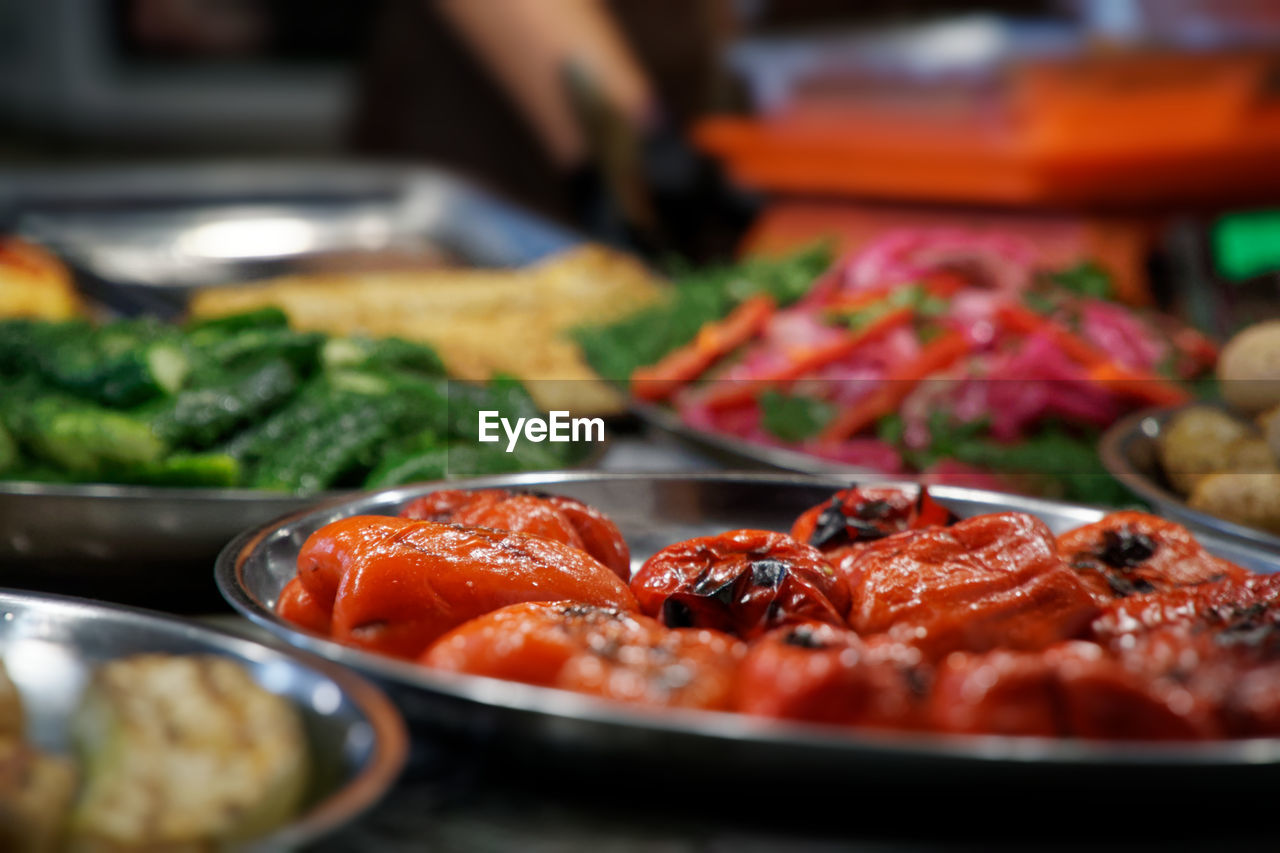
944, 355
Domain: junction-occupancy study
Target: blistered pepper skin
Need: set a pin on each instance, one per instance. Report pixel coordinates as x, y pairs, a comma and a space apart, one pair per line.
1128, 553
532, 642
556, 517
855, 517
820, 673
986, 582
296, 606
1219, 640
404, 583
744, 582
1072, 689
329, 553
606, 652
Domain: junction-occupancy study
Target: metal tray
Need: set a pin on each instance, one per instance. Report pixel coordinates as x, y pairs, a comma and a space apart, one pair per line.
138, 545
358, 742
141, 237
654, 511
1129, 452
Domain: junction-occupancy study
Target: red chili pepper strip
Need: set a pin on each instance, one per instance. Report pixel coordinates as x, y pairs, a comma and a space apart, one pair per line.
1101, 368
1146, 387
713, 342
938, 354
731, 394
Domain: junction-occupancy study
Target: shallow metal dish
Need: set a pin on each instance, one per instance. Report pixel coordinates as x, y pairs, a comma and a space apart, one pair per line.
1129, 450
50, 646
654, 511
138, 545
141, 237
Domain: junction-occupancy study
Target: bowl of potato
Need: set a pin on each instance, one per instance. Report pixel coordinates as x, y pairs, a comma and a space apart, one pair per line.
1214, 465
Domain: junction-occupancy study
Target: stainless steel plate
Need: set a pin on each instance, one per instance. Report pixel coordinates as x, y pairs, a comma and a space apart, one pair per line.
134, 544
50, 645
142, 236
1129, 452
137, 545
655, 511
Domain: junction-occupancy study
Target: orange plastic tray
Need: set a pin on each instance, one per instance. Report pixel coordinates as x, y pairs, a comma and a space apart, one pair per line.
1107, 130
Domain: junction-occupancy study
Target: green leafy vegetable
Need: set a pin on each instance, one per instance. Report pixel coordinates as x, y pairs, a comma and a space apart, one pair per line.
794, 418
615, 350
1085, 279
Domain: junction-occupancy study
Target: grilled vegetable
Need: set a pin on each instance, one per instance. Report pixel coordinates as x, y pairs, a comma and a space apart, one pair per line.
210, 470
321, 455
201, 416
424, 457
241, 400
382, 354
84, 439
121, 364
184, 750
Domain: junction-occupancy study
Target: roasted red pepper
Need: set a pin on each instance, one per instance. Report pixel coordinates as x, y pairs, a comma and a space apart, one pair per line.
297, 606
400, 584
598, 650
743, 582
1072, 689
1134, 552
861, 514
563, 519
818, 672
986, 582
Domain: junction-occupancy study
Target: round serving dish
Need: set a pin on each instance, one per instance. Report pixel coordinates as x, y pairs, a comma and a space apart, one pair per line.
357, 739
652, 512
113, 542
1129, 450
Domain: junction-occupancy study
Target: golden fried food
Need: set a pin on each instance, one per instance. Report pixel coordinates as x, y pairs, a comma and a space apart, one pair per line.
482, 322
1249, 368
184, 749
36, 791
1251, 499
33, 283
1197, 442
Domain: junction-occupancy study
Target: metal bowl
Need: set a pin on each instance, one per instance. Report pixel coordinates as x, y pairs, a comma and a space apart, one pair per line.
124, 538
358, 744
652, 512
114, 542
1129, 450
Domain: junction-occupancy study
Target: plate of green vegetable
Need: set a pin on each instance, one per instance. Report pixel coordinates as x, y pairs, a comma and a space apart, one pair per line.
136, 444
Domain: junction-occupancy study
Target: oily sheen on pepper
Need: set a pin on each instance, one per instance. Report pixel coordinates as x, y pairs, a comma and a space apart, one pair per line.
396, 584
